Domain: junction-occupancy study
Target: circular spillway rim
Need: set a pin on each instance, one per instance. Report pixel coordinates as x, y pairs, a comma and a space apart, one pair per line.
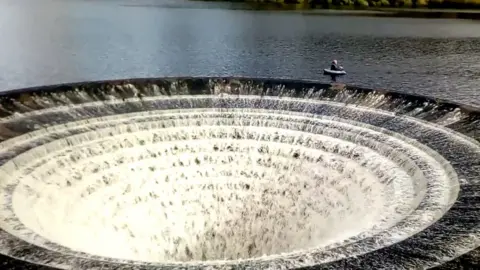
459, 206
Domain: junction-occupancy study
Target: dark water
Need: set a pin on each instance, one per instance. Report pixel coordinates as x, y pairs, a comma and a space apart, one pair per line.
52, 41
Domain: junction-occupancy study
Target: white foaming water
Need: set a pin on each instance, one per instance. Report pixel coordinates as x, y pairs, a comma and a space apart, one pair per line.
200, 184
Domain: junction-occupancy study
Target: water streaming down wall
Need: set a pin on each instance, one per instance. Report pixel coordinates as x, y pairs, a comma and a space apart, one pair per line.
234, 173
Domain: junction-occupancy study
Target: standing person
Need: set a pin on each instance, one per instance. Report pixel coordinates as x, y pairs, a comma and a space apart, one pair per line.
335, 66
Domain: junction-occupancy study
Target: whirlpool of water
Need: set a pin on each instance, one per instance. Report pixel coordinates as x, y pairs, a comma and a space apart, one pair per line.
231, 173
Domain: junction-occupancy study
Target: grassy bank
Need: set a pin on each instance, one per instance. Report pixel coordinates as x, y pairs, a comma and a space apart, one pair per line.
307, 4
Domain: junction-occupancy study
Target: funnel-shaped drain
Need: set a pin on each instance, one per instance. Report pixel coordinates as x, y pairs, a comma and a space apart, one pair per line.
217, 172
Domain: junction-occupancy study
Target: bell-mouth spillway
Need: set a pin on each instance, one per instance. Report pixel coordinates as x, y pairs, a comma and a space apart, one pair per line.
236, 173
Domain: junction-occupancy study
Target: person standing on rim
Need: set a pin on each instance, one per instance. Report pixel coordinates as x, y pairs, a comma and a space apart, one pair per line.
335, 67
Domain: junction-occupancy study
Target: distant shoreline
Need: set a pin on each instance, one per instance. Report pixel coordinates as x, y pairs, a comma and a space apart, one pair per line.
398, 12
355, 10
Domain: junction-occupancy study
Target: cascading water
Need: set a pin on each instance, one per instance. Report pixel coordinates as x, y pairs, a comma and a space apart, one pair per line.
222, 173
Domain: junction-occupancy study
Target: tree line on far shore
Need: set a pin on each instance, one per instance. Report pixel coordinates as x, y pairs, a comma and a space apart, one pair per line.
454, 4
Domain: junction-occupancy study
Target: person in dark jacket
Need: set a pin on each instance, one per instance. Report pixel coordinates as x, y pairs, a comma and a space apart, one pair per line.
335, 66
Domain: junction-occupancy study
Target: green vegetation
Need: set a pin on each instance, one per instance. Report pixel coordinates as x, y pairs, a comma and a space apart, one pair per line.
440, 4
